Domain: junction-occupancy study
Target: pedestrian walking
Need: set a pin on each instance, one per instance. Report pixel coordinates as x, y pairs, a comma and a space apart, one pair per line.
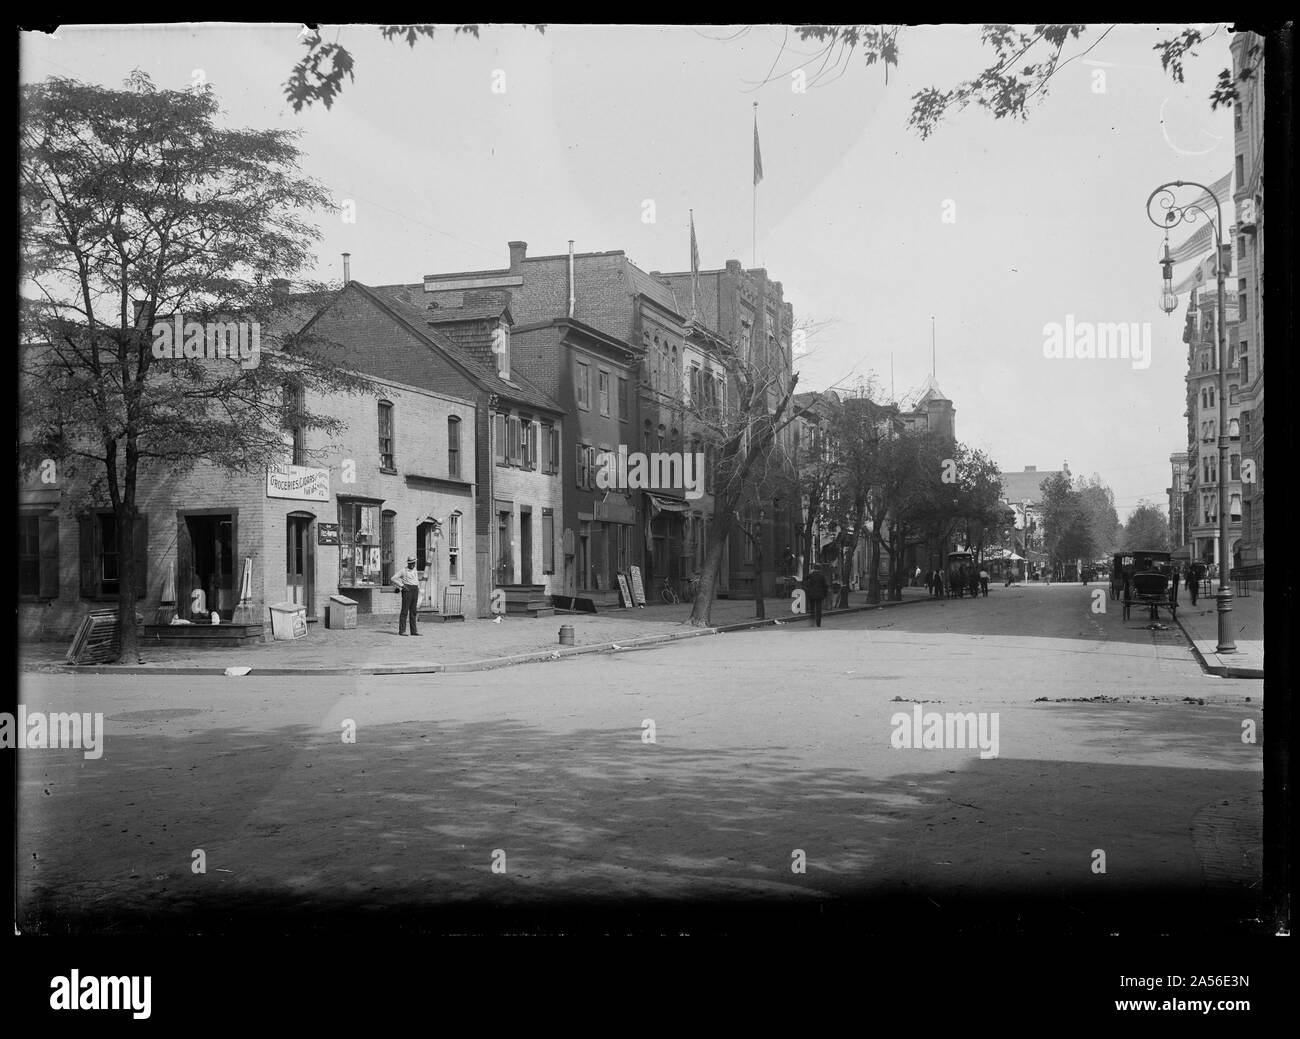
1173, 587
1193, 583
939, 590
929, 583
408, 583
984, 583
814, 586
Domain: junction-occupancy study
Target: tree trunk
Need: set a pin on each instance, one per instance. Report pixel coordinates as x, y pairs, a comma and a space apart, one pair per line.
758, 584
130, 636
873, 579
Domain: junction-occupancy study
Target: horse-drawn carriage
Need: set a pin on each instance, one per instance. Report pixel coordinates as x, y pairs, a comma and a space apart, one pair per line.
1144, 578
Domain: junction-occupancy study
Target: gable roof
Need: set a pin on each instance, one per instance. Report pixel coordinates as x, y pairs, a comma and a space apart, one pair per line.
415, 320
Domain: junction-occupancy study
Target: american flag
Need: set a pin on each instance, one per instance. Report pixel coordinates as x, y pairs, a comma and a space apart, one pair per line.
758, 156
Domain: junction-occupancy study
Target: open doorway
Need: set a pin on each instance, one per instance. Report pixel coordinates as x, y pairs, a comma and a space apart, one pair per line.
426, 562
205, 565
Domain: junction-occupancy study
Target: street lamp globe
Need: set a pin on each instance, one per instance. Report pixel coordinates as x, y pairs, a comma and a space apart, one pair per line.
1168, 301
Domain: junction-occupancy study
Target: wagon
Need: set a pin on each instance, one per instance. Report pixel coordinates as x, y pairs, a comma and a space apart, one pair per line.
1145, 579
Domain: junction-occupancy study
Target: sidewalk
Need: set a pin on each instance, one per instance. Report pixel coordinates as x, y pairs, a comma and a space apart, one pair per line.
1246, 621
471, 645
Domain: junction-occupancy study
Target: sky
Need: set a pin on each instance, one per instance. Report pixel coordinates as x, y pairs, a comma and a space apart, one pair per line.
610, 136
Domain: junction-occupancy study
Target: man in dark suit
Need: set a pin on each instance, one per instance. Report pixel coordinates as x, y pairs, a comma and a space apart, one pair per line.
814, 586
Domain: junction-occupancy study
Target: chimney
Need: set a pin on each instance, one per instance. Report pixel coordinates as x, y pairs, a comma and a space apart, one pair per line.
347, 268
279, 289
571, 299
518, 253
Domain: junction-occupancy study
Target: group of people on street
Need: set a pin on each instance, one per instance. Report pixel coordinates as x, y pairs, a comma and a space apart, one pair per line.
1191, 577
958, 583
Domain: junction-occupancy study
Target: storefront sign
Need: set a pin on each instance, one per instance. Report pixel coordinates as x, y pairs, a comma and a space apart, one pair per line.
327, 533
298, 482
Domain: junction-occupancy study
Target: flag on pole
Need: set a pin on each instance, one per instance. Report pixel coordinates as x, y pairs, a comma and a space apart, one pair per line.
1199, 243
1220, 191
758, 155
695, 271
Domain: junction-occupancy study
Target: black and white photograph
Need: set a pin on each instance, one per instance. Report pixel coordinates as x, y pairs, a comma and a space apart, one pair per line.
693, 479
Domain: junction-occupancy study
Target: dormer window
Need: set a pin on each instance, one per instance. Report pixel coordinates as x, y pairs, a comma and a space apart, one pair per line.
501, 348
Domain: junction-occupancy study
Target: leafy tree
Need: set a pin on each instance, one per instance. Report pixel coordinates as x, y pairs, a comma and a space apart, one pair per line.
1146, 528
1025, 60
319, 74
138, 205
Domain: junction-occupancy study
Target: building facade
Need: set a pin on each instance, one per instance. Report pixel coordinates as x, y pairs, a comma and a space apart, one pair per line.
1248, 136
1208, 488
336, 518
1178, 499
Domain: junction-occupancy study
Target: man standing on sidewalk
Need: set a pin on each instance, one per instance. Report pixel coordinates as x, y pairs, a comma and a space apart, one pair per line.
814, 587
1173, 587
408, 583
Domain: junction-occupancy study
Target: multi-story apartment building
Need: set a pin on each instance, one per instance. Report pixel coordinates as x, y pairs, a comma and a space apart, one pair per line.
1248, 126
743, 312
1178, 498
1208, 486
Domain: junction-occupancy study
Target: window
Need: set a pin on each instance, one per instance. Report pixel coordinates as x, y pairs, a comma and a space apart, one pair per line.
1234, 429
1244, 363
386, 460
501, 347
1241, 307
553, 438
695, 384
1236, 118
386, 543
527, 444
602, 391
1235, 462
1241, 170
515, 442
453, 547
1232, 394
584, 386
360, 545
499, 430
751, 529
1234, 507
548, 541
645, 438
294, 406
584, 466
674, 376
622, 400
1211, 396
453, 447
38, 556
100, 559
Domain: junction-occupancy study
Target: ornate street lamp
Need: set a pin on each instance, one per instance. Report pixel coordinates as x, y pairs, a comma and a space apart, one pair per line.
1175, 214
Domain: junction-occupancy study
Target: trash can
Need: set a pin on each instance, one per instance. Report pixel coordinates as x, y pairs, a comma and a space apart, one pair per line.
288, 621
341, 613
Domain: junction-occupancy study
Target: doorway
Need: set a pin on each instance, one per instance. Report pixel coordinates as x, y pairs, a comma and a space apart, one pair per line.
205, 565
300, 568
525, 545
426, 561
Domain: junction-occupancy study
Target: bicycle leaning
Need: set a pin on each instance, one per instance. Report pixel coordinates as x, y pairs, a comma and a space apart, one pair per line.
672, 594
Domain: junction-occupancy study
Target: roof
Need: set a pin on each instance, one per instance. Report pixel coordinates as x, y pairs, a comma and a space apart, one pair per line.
517, 388
929, 391
1024, 486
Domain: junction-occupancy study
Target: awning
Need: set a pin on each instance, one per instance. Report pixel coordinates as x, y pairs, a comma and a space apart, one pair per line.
659, 504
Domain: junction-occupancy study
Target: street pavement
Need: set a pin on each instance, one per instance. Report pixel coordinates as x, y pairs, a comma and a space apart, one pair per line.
1123, 794
473, 643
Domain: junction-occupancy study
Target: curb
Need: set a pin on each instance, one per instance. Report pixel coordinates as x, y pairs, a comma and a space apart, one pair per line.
1222, 670
462, 667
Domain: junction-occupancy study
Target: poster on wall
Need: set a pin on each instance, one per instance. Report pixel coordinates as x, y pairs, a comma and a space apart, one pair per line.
327, 533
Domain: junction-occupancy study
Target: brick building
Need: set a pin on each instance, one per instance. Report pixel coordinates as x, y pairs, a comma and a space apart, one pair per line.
337, 517
463, 346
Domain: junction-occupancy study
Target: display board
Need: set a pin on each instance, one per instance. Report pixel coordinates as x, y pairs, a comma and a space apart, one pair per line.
624, 589
638, 589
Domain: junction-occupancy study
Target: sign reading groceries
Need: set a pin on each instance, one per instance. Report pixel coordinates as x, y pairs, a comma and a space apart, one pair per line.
298, 481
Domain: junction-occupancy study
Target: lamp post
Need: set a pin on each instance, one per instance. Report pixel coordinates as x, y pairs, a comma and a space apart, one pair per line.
1175, 214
